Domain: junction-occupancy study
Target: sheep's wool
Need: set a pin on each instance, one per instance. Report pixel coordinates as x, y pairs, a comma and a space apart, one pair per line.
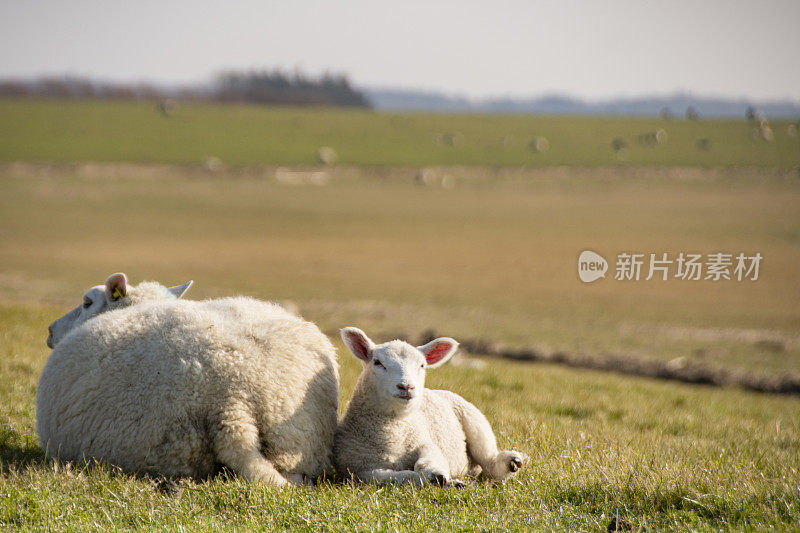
177, 387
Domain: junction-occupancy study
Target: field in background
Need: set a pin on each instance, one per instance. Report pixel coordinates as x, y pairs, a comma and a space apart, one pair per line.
251, 135
493, 257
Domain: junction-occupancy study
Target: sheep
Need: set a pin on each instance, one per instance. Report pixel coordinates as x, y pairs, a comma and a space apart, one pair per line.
178, 388
114, 294
397, 431
327, 155
539, 144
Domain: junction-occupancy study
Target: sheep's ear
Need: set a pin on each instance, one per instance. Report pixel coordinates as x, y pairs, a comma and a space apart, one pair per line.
358, 343
438, 351
116, 286
178, 290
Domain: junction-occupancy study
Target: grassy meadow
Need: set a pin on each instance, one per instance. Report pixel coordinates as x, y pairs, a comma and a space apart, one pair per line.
248, 135
492, 257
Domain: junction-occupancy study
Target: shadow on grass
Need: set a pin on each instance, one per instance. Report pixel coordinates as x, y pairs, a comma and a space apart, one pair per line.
19, 457
632, 506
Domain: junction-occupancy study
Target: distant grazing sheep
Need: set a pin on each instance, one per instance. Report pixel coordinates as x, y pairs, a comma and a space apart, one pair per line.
619, 144
327, 155
704, 145
397, 431
167, 107
454, 138
652, 138
178, 388
538, 145
212, 164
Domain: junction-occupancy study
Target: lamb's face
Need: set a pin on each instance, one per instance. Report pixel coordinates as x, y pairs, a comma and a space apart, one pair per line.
101, 298
397, 369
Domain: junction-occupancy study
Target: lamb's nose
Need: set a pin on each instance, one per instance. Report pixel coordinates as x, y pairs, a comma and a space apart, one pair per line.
50, 330
405, 386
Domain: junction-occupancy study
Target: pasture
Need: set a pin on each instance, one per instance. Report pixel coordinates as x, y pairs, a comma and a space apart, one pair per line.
248, 135
494, 257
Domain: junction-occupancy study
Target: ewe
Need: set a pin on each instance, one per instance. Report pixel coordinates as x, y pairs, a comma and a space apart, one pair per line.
178, 388
115, 294
397, 431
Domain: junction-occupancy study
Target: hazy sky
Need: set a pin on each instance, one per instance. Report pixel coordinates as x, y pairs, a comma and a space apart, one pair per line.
594, 49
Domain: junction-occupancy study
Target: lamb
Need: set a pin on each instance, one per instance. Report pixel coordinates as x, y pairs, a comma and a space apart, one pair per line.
397, 431
178, 388
115, 294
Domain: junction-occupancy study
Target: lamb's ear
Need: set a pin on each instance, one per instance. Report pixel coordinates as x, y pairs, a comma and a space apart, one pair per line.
116, 286
438, 351
358, 343
178, 290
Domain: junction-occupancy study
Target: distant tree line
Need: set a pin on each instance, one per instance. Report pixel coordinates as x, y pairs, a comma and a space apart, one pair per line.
275, 87
259, 87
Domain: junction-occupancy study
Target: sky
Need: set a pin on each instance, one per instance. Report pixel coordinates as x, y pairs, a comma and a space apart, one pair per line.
595, 49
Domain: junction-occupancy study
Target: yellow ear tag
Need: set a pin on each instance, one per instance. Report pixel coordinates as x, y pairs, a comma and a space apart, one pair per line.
117, 295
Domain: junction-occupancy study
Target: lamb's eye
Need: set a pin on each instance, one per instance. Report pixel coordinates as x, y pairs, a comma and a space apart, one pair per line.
86, 302
378, 363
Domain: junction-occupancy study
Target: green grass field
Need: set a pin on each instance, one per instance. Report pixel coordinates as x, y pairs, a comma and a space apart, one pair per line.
249, 135
494, 257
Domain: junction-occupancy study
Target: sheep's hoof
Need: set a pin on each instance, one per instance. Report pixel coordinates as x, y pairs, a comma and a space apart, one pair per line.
438, 479
515, 464
457, 483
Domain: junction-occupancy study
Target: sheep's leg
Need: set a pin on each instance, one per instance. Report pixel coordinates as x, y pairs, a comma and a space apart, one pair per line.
237, 445
482, 445
432, 465
385, 476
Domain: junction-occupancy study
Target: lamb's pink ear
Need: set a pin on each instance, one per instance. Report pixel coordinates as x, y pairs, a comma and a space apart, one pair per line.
116, 286
358, 343
438, 351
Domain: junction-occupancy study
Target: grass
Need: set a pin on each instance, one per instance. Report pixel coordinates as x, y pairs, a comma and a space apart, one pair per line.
659, 456
250, 135
491, 258
495, 257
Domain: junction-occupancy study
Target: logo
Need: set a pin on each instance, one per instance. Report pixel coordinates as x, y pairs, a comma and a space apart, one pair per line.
591, 266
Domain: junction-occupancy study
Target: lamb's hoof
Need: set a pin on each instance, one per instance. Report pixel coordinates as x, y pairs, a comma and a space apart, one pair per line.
510, 462
438, 479
457, 483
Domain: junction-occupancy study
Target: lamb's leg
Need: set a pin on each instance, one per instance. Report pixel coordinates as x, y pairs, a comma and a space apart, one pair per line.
236, 445
432, 465
383, 476
482, 445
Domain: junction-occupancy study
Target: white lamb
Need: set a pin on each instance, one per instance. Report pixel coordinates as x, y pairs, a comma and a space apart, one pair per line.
397, 431
178, 388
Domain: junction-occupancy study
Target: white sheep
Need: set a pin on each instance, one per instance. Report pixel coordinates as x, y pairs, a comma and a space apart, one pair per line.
114, 294
397, 431
178, 388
